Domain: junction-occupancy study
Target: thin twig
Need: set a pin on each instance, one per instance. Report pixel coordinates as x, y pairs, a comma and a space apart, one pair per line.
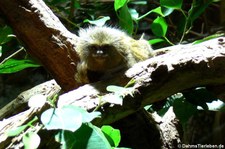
3, 61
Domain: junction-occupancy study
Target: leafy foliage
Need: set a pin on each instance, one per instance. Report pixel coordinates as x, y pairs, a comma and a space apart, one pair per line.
181, 107
66, 118
76, 131
13, 65
192, 101
197, 8
99, 22
174, 4
31, 140
6, 34
88, 136
199, 97
125, 18
159, 27
112, 135
10, 65
175, 13
18, 130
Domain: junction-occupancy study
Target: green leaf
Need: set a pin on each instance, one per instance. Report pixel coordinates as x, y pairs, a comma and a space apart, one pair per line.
158, 10
120, 90
6, 34
155, 41
13, 65
162, 11
134, 13
119, 93
142, 2
166, 11
31, 140
130, 83
98, 136
169, 102
199, 96
125, 19
0, 50
112, 135
119, 4
197, 8
115, 89
217, 105
175, 4
124, 15
67, 118
16, 131
159, 27
68, 139
208, 38
181, 25
76, 4
115, 99
99, 22
87, 136
88, 117
183, 110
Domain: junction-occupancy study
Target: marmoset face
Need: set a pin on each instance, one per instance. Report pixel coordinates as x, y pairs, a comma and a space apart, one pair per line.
102, 48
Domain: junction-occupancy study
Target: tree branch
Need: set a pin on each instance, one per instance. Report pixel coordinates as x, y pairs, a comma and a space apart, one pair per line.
45, 38
185, 67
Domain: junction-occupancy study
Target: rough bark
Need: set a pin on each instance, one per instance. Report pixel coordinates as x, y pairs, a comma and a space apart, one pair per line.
17, 112
157, 78
44, 37
19, 104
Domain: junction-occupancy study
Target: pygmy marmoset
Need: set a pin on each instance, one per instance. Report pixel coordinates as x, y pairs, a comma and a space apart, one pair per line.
103, 50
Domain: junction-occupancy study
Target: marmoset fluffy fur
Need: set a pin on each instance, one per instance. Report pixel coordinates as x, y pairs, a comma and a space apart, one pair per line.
103, 50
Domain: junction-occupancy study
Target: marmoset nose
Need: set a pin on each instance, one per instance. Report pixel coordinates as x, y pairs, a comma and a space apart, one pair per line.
99, 52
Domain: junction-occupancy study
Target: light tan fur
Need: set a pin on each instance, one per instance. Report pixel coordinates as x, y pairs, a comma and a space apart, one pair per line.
103, 49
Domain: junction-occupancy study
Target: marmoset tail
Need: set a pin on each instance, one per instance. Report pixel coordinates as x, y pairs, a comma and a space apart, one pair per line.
105, 49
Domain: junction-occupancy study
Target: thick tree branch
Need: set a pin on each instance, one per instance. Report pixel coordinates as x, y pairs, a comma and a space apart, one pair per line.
185, 67
45, 38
